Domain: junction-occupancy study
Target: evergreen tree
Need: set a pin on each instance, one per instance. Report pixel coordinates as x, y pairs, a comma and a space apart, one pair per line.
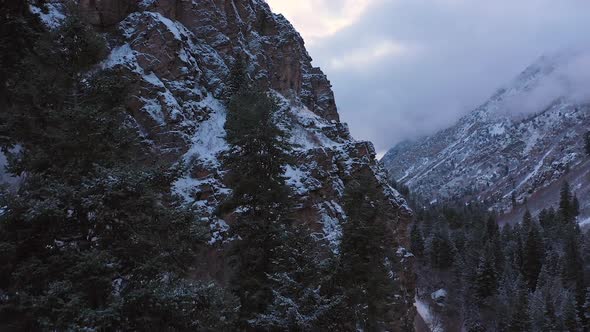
492, 228
571, 321
586, 309
507, 233
417, 240
550, 321
440, 249
566, 212
575, 206
486, 279
365, 273
297, 276
527, 221
520, 320
533, 254
238, 79
260, 197
93, 237
573, 265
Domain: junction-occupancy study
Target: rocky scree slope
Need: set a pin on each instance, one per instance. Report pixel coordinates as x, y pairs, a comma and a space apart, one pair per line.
522, 143
179, 54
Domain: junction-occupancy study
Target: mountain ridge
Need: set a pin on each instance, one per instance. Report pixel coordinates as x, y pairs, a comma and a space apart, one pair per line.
524, 138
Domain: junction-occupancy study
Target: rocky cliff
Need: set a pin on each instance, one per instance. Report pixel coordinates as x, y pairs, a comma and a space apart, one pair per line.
520, 144
178, 53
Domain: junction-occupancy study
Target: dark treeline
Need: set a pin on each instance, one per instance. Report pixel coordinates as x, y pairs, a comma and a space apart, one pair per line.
531, 276
93, 237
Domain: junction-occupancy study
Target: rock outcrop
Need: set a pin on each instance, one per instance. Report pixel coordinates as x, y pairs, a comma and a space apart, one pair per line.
105, 13
178, 54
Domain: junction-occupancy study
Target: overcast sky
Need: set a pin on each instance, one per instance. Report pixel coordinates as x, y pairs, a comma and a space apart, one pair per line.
406, 68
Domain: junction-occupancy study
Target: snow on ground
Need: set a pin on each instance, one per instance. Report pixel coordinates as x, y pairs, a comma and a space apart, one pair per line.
173, 27
331, 226
54, 16
207, 143
295, 177
584, 222
218, 229
535, 171
122, 55
497, 129
428, 316
209, 139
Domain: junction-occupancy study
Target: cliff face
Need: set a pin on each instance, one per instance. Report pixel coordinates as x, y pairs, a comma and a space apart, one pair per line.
522, 143
179, 53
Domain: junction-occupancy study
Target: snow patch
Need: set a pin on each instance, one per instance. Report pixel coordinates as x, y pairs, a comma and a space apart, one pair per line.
295, 177
331, 226
497, 129
153, 80
428, 316
174, 27
535, 170
439, 297
218, 230
54, 16
122, 55
154, 109
209, 139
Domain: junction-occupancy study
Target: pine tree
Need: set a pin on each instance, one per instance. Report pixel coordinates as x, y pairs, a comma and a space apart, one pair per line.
575, 206
533, 253
586, 309
298, 274
486, 279
520, 320
95, 240
365, 251
571, 321
440, 249
260, 197
565, 205
573, 261
550, 321
417, 241
527, 221
238, 79
492, 228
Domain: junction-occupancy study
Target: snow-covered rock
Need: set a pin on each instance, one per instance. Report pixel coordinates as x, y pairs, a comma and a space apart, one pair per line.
439, 297
522, 142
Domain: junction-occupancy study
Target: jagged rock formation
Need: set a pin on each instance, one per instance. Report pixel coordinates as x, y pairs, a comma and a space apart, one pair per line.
178, 54
522, 142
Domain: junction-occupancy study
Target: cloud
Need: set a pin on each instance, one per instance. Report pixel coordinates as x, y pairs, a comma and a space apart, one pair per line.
364, 57
318, 19
406, 68
569, 80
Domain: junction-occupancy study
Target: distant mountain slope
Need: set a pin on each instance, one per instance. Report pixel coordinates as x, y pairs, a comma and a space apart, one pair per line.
525, 138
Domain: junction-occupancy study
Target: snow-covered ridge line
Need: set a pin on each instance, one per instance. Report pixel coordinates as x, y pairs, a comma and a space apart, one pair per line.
515, 143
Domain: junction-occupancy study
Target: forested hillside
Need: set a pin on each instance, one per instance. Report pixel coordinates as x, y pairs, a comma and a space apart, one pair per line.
528, 276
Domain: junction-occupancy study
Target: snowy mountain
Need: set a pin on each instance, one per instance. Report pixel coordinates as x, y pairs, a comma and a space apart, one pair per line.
521, 143
179, 54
